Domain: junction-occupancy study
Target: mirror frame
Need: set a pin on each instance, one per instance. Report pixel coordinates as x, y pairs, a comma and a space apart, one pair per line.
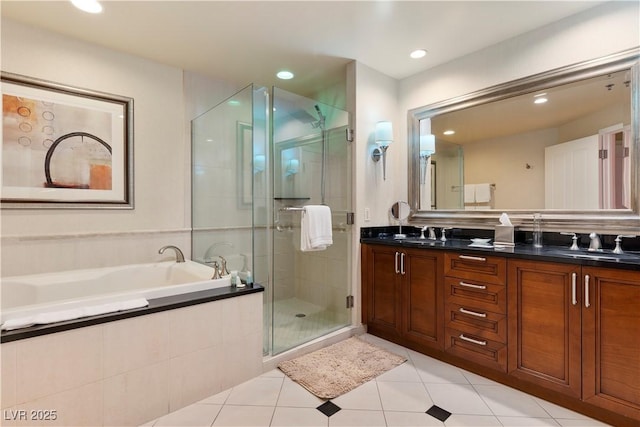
609, 221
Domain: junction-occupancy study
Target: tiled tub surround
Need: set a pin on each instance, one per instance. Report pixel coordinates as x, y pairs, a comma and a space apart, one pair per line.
125, 372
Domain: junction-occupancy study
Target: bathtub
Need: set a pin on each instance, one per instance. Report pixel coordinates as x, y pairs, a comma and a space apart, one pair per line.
127, 286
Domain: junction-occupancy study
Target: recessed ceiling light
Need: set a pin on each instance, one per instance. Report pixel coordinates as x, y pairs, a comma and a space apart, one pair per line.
540, 98
418, 53
285, 75
449, 132
90, 6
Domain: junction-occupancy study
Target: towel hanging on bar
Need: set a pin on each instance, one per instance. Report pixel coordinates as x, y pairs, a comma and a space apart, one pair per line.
315, 228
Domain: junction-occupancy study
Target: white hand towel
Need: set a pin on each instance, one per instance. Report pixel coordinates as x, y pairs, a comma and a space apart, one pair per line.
72, 313
469, 193
483, 193
315, 228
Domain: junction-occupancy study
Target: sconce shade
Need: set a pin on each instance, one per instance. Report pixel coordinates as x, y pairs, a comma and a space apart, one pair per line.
384, 133
259, 163
427, 145
293, 167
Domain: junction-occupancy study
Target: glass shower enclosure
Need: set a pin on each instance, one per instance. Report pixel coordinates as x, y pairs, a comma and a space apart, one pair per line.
257, 159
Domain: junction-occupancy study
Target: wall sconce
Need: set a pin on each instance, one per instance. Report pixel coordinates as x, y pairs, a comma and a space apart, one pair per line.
384, 137
293, 167
427, 149
259, 162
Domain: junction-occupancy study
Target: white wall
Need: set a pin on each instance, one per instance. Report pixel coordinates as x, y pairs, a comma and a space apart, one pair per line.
597, 32
36, 241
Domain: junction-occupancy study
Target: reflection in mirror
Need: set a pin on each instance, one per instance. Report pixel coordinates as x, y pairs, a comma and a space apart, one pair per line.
564, 141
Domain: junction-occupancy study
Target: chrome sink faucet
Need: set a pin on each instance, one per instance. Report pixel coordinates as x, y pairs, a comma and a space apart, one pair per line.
618, 249
432, 233
179, 254
595, 245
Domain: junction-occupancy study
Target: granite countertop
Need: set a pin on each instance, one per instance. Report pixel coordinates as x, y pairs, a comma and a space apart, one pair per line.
553, 252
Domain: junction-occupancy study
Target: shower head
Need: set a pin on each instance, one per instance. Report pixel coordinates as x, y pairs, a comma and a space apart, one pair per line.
321, 117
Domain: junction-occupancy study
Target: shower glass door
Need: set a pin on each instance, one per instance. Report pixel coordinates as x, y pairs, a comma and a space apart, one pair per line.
311, 161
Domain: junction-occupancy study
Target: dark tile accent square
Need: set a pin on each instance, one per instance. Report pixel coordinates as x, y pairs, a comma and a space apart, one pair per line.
328, 408
439, 413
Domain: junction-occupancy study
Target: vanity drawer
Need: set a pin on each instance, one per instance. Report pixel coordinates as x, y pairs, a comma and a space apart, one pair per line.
476, 349
483, 295
476, 267
476, 322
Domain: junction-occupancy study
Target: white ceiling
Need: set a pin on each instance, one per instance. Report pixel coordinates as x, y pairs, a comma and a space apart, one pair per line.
249, 41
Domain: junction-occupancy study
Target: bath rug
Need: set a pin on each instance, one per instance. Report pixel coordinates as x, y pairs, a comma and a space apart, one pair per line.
339, 368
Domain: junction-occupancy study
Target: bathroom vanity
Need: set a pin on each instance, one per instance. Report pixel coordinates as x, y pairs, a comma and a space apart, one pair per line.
562, 325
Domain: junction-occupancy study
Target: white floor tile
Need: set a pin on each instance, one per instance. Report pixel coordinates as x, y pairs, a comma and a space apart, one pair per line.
405, 372
508, 402
217, 399
411, 419
458, 399
458, 420
398, 398
299, 417
527, 422
364, 397
193, 415
258, 391
436, 372
401, 396
350, 417
294, 395
558, 411
245, 416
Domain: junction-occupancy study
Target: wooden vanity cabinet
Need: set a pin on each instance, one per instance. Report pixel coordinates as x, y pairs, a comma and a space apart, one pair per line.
576, 330
403, 302
544, 325
611, 340
476, 309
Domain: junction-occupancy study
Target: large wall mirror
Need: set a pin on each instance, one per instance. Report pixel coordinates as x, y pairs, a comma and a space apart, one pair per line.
564, 143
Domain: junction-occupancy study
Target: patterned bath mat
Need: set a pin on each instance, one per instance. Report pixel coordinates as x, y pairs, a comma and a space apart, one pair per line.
341, 367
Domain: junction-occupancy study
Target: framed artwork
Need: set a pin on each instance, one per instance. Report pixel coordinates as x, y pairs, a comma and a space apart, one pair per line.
65, 147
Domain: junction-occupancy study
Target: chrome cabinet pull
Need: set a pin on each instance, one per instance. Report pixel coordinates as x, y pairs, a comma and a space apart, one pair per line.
471, 340
470, 285
397, 271
472, 258
574, 299
587, 303
472, 313
402, 263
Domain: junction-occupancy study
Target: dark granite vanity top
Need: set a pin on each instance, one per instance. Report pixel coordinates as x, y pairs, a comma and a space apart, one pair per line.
555, 249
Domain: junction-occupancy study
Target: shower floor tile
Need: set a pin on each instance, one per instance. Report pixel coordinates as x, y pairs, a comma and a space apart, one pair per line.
296, 321
403, 398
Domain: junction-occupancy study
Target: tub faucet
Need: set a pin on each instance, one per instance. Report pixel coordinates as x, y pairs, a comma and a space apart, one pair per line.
179, 254
595, 245
223, 267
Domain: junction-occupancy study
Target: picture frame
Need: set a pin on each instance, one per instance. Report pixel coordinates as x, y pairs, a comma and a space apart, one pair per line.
64, 147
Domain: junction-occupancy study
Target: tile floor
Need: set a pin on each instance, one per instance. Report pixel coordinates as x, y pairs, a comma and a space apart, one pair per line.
399, 397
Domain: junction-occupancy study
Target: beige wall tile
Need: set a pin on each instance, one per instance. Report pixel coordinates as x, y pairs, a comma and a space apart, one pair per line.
137, 396
195, 376
81, 406
133, 343
54, 363
8, 374
242, 360
195, 328
241, 318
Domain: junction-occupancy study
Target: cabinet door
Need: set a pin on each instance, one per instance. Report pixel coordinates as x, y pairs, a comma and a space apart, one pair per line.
611, 340
383, 291
544, 328
423, 298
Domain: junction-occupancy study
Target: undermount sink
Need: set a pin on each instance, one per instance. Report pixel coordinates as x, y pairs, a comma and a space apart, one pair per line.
597, 256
